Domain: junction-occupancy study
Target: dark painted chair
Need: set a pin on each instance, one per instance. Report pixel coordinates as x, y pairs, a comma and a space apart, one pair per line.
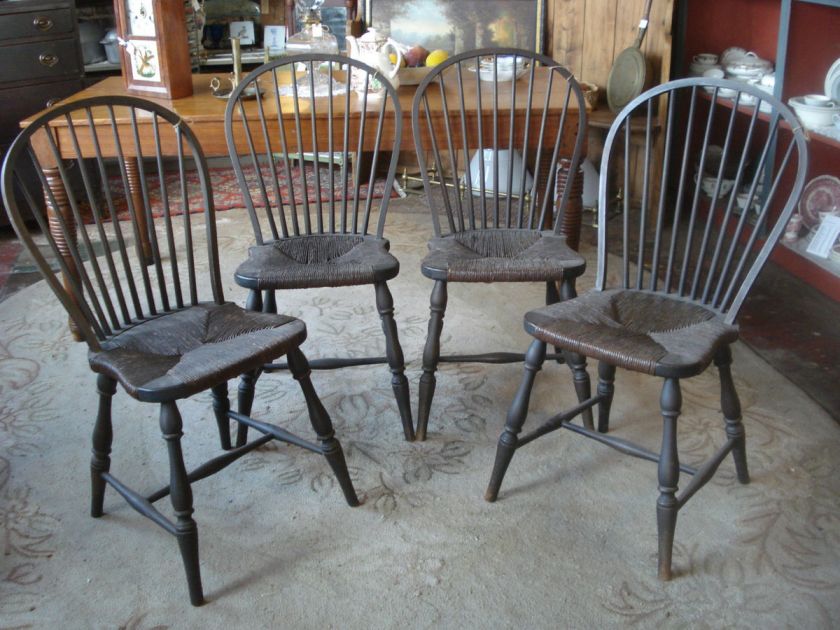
674, 268
156, 323
318, 226
489, 177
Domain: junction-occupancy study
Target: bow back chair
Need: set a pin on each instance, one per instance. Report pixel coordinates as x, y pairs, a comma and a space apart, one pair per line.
318, 226
156, 322
674, 268
493, 129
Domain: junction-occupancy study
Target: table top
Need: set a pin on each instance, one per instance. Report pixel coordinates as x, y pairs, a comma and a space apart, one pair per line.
205, 113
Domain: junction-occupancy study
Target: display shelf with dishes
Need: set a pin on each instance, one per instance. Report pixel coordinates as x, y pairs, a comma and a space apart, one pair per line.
788, 48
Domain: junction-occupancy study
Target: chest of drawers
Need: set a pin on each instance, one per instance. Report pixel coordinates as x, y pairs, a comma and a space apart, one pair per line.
41, 61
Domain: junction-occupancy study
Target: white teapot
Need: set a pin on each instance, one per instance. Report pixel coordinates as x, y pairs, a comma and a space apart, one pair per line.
372, 49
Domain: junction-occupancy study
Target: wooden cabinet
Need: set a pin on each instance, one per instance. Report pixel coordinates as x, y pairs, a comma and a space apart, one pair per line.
801, 38
42, 62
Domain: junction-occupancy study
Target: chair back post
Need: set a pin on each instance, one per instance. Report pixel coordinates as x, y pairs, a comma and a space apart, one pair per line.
489, 171
115, 272
332, 107
732, 168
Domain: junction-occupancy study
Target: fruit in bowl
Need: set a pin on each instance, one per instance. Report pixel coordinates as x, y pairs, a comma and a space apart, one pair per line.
436, 57
416, 56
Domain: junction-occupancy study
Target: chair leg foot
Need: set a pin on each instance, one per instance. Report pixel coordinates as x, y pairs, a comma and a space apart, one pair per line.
396, 361
731, 407
517, 414
431, 355
182, 500
221, 406
103, 435
320, 419
606, 389
669, 475
188, 545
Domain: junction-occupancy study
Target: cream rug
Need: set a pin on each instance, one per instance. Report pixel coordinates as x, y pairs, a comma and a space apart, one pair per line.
571, 543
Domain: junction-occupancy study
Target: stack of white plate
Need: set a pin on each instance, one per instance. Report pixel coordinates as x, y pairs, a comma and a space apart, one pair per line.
832, 81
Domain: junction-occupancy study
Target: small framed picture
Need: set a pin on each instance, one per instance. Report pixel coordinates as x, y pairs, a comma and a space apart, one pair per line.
274, 38
244, 31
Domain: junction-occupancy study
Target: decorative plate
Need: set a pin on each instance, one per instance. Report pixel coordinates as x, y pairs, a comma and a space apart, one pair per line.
832, 81
821, 194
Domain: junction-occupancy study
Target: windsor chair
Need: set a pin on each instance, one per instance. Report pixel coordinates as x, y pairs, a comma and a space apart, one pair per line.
685, 259
156, 322
488, 172
318, 226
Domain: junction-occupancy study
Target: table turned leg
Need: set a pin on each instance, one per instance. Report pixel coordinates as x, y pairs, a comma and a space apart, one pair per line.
132, 171
55, 213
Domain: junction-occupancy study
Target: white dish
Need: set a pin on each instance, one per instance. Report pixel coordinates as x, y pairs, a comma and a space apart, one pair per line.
812, 116
731, 54
503, 71
832, 81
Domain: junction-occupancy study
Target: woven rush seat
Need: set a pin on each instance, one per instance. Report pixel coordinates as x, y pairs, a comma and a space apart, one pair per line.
181, 353
640, 331
326, 260
501, 256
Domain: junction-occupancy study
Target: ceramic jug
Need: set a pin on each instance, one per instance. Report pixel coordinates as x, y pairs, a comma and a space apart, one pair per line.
372, 49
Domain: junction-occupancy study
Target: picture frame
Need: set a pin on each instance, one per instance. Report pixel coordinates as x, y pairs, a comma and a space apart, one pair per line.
460, 25
155, 55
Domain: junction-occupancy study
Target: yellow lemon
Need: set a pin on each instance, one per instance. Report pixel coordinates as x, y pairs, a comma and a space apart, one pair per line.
393, 58
435, 57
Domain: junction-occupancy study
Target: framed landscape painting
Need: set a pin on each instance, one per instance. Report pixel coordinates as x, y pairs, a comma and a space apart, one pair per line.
459, 25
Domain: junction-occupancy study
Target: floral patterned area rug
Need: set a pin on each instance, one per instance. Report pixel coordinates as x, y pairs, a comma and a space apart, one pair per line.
571, 542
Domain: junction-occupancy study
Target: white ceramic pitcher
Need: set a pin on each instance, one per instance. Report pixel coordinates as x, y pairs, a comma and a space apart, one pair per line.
372, 49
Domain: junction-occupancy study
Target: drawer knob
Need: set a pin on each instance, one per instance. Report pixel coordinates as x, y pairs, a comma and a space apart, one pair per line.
48, 59
42, 23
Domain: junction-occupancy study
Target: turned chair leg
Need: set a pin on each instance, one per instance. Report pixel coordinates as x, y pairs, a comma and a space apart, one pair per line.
186, 530
221, 406
577, 362
606, 389
244, 402
269, 304
517, 413
248, 381
731, 407
322, 424
583, 389
552, 296
669, 475
103, 435
431, 355
396, 361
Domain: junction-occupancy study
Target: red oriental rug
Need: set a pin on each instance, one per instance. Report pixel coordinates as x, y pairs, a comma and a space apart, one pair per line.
227, 194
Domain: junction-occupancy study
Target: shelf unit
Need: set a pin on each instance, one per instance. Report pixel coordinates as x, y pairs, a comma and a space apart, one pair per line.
800, 37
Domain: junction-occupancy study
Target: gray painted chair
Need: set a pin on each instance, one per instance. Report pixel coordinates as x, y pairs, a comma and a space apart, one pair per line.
491, 194
335, 239
157, 322
685, 261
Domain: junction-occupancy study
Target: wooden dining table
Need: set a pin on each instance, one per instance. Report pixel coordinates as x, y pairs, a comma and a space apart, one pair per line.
204, 113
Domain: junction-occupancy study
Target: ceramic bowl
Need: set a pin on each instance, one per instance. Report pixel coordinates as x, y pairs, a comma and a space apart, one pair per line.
749, 66
812, 116
504, 69
818, 100
697, 69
